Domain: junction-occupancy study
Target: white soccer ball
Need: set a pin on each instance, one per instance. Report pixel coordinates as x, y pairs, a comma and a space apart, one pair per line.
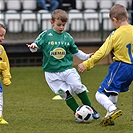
84, 113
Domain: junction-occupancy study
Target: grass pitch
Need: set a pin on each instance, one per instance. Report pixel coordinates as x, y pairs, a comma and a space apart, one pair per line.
29, 108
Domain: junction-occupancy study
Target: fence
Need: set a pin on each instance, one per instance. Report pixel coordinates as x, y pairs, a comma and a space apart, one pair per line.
87, 26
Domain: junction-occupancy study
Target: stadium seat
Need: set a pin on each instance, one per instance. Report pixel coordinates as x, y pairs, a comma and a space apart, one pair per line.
2, 18
2, 5
91, 4
76, 21
29, 5
91, 18
105, 4
66, 5
122, 2
29, 21
79, 4
13, 21
13, 5
44, 18
105, 20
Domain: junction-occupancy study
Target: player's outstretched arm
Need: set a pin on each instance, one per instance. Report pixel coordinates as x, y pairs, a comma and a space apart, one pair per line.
83, 56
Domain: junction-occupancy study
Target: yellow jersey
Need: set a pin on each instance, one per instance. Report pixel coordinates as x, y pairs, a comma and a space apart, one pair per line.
4, 67
120, 42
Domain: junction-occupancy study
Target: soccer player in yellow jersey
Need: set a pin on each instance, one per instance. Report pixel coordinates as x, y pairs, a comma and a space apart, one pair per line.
4, 71
120, 73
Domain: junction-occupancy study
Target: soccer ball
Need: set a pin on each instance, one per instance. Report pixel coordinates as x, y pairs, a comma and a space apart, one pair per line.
84, 113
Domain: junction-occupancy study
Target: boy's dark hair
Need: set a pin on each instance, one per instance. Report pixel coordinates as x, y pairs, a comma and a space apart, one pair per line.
60, 15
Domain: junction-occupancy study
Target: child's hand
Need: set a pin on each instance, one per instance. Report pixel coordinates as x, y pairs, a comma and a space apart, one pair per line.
33, 47
6, 81
81, 68
91, 54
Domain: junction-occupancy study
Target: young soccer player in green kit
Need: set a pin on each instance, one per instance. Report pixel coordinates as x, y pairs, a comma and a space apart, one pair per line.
58, 48
120, 73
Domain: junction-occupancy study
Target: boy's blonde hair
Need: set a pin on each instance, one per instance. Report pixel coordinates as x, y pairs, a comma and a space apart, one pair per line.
60, 15
118, 12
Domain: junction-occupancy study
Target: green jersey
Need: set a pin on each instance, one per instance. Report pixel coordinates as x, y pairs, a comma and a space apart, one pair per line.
57, 49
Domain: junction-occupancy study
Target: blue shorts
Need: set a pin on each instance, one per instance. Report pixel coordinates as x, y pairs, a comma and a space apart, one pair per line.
1, 87
120, 76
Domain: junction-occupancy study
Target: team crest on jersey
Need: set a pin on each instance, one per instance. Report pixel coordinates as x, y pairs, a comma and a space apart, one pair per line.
58, 53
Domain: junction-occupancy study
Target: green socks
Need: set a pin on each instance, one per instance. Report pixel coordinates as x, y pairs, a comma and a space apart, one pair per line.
84, 98
71, 102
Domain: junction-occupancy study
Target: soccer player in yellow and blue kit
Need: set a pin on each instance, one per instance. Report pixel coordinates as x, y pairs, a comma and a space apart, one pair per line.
58, 48
120, 73
4, 71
